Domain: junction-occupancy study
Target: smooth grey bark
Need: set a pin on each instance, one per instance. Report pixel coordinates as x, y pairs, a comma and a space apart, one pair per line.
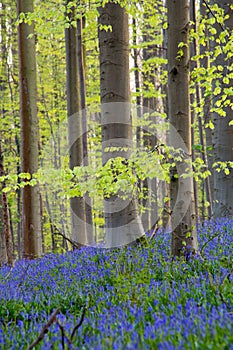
77, 204
184, 237
122, 221
223, 133
32, 246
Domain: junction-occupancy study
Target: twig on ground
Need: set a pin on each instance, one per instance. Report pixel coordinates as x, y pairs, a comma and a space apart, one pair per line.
208, 241
63, 335
44, 329
79, 324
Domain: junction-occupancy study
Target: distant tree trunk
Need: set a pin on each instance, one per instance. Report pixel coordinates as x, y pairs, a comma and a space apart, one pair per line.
29, 133
223, 133
207, 191
3, 255
184, 236
193, 116
137, 78
122, 220
19, 203
10, 62
165, 190
205, 62
149, 140
82, 82
78, 217
4, 219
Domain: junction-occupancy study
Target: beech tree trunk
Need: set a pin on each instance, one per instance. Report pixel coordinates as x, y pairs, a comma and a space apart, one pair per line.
122, 220
184, 238
77, 204
29, 133
223, 133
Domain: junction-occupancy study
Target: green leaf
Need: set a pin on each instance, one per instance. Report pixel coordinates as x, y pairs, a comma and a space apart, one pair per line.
25, 176
210, 125
6, 189
197, 147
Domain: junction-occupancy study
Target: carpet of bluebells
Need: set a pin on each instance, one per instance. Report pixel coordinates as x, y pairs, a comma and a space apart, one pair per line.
135, 298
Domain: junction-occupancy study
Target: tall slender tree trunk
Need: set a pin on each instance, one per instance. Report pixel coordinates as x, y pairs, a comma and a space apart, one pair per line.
149, 140
223, 133
193, 117
82, 82
207, 191
122, 220
29, 133
6, 248
77, 204
205, 62
3, 255
184, 236
137, 78
3, 76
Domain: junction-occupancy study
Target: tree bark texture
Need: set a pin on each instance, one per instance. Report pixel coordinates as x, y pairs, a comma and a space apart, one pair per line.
77, 204
82, 88
184, 238
5, 233
122, 220
222, 132
29, 133
205, 62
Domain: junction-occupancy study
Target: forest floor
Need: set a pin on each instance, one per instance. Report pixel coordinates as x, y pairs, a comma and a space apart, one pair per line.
134, 298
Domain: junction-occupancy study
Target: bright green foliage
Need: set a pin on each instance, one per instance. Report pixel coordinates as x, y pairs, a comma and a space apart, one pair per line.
55, 178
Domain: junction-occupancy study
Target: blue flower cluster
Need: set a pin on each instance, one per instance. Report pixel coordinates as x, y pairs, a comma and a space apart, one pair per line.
135, 297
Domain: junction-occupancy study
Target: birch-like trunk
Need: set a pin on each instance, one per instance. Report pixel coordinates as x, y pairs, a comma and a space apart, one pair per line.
184, 236
122, 220
29, 133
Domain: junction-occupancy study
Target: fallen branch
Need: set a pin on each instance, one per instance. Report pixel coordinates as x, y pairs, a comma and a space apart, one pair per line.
79, 324
208, 241
44, 329
59, 233
156, 227
63, 336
